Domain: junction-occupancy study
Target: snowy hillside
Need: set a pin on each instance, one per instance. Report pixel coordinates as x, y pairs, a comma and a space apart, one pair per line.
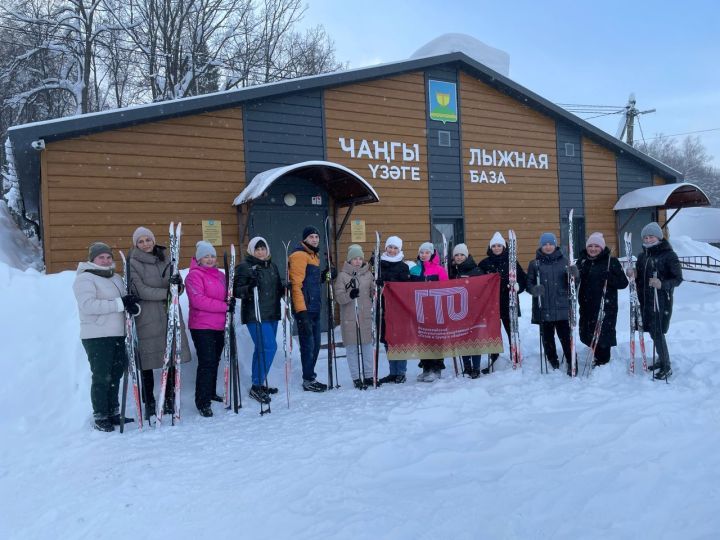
515, 454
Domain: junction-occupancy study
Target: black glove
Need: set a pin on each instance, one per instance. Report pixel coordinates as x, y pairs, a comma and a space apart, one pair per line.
432, 278
231, 305
537, 290
175, 279
354, 293
131, 303
328, 271
379, 282
284, 285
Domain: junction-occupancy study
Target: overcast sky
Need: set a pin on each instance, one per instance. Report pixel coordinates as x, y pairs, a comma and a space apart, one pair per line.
667, 53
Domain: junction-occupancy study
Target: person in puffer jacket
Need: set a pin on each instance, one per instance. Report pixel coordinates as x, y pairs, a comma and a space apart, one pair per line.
207, 296
429, 268
258, 272
463, 266
102, 302
547, 279
498, 262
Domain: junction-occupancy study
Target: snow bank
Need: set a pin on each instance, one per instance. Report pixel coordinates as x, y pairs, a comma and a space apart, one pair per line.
701, 224
16, 249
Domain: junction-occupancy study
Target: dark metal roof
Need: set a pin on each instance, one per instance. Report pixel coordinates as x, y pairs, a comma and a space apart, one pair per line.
28, 163
683, 195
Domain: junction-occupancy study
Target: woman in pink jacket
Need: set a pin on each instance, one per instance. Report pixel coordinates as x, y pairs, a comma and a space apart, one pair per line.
207, 295
429, 268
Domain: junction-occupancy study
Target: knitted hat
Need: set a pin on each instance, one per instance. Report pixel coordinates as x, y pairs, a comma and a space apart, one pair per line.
142, 231
461, 249
497, 239
652, 229
98, 248
203, 249
394, 241
596, 238
548, 238
307, 231
355, 251
427, 246
257, 242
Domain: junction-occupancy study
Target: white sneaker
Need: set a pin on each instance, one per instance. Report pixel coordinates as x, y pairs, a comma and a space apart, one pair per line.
421, 376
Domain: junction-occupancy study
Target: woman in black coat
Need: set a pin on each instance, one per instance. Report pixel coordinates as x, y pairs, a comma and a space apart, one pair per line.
597, 267
462, 266
658, 273
498, 262
258, 271
393, 268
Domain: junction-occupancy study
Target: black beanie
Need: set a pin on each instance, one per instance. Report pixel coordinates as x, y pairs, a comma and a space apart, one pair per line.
307, 231
98, 248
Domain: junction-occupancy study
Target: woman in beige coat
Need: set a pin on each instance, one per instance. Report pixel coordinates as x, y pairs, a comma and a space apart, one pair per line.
150, 280
101, 301
355, 284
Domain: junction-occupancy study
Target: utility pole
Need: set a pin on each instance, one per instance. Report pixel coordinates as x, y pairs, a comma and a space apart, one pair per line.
627, 125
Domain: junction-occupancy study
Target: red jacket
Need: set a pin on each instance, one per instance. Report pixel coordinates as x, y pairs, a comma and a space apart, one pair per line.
207, 296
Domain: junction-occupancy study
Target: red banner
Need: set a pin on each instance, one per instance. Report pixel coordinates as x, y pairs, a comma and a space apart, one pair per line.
441, 319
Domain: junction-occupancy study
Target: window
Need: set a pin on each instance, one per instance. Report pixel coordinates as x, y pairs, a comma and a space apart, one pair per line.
444, 138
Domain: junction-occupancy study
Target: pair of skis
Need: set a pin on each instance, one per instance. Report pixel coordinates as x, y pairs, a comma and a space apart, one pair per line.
131, 353
446, 265
287, 322
376, 310
173, 342
231, 372
515, 352
332, 353
572, 319
636, 322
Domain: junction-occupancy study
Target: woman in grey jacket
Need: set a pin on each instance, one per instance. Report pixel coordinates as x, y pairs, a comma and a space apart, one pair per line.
150, 280
101, 300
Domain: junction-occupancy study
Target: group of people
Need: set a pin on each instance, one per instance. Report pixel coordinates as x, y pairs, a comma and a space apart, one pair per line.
103, 300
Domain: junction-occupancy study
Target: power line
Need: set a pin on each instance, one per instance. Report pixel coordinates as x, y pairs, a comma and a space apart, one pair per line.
681, 134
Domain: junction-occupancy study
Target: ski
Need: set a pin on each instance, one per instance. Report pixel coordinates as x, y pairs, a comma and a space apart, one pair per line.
573, 296
172, 336
230, 377
515, 353
636, 322
376, 310
446, 264
332, 359
598, 328
131, 352
287, 322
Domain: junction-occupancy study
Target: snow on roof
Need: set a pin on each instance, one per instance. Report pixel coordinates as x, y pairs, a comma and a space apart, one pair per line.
700, 224
262, 181
654, 196
493, 58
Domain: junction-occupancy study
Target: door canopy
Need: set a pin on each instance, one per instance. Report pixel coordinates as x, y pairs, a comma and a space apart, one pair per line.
346, 187
683, 195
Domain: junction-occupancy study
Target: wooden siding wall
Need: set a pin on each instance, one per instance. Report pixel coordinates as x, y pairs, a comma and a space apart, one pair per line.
601, 193
392, 110
103, 186
528, 202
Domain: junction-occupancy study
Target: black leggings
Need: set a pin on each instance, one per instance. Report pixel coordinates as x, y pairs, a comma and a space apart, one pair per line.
548, 330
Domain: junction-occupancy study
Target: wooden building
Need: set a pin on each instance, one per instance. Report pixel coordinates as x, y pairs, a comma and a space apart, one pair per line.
446, 144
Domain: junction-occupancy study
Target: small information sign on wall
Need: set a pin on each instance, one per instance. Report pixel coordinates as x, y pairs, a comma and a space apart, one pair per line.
357, 230
212, 231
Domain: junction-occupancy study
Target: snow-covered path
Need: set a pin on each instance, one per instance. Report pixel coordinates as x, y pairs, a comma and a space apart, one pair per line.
511, 455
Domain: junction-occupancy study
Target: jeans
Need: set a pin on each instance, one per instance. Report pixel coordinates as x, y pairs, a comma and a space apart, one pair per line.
472, 361
107, 363
308, 324
262, 358
209, 346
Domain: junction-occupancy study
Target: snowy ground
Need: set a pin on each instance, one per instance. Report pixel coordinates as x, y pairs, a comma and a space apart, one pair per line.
514, 455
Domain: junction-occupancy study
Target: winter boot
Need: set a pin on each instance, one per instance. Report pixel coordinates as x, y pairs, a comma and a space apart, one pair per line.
491, 364
425, 373
554, 363
399, 379
258, 394
432, 376
663, 373
654, 367
314, 386
369, 381
206, 411
217, 398
359, 384
270, 389
104, 424
474, 374
387, 379
467, 367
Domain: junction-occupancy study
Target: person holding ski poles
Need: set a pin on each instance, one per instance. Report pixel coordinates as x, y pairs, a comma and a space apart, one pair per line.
601, 276
354, 289
497, 262
547, 282
463, 266
102, 302
429, 268
306, 291
259, 272
393, 268
150, 280
658, 273
207, 296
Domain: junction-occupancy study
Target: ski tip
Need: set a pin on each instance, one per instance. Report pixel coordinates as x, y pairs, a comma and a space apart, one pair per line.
122, 255
171, 228
232, 249
178, 229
